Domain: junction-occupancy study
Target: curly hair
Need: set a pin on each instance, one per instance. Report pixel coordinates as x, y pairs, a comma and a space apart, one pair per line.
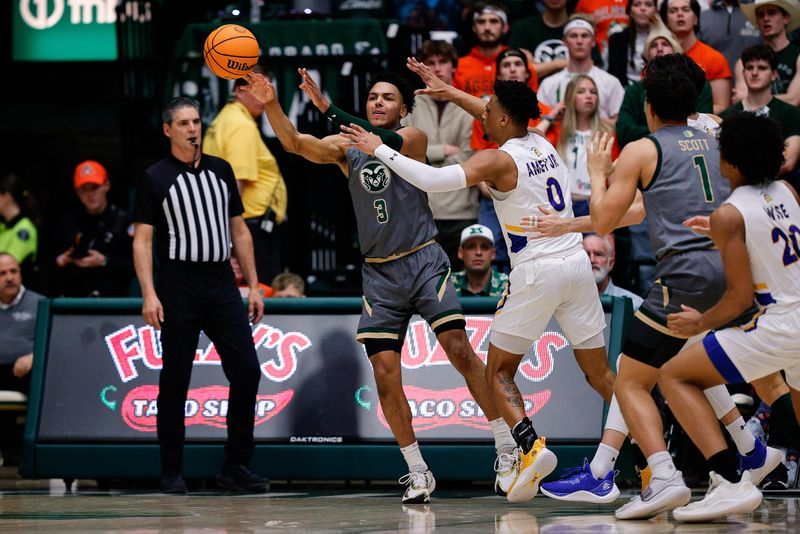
670, 91
518, 99
752, 144
403, 86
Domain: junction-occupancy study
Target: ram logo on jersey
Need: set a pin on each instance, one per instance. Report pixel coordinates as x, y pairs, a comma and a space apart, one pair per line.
375, 177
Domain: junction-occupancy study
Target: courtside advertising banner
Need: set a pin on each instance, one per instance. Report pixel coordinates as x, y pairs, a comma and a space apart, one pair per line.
317, 387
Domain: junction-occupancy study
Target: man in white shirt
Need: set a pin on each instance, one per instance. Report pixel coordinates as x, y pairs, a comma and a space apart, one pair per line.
579, 38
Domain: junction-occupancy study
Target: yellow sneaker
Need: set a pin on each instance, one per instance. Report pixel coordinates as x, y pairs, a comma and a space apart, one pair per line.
533, 467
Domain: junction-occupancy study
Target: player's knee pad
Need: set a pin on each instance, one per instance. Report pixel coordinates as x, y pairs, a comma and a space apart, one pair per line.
594, 342
720, 399
509, 343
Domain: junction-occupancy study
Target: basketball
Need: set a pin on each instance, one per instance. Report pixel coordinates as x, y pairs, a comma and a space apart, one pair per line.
230, 51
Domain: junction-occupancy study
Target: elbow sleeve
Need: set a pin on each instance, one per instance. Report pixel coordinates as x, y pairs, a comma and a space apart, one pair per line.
429, 179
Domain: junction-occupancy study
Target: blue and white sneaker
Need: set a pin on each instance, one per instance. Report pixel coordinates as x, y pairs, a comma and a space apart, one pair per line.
579, 485
761, 462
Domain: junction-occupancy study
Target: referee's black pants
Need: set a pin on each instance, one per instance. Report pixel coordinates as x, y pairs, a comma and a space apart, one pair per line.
204, 297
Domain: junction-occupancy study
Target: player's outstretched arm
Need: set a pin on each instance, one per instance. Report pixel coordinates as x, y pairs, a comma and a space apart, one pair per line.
728, 233
435, 87
327, 150
340, 118
608, 205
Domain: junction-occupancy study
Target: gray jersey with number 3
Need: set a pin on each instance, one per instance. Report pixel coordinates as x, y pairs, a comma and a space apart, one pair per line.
392, 215
687, 182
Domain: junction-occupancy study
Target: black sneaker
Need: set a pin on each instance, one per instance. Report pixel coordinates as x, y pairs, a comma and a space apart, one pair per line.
777, 479
173, 484
240, 478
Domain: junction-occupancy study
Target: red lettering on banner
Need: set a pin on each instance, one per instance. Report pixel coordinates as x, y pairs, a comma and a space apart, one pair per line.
478, 331
454, 407
204, 406
150, 347
124, 348
285, 365
544, 357
416, 351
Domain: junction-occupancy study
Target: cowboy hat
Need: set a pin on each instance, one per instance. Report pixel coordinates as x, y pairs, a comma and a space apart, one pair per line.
792, 7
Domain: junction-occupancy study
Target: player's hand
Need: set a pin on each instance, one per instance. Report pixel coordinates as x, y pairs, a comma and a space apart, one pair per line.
546, 224
699, 224
92, 260
22, 366
686, 322
255, 305
313, 92
361, 139
65, 258
260, 87
434, 86
152, 311
598, 155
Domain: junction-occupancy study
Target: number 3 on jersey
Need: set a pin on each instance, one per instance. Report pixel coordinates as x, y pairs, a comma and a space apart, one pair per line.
381, 211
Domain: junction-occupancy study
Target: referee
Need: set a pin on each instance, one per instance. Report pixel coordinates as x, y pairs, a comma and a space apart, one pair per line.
190, 202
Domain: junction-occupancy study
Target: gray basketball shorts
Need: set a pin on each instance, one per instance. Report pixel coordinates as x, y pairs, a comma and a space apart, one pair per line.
395, 290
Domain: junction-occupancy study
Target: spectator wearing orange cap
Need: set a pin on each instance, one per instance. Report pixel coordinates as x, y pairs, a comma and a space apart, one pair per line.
96, 240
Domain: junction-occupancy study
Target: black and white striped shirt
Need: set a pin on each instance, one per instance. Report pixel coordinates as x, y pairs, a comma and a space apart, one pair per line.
189, 208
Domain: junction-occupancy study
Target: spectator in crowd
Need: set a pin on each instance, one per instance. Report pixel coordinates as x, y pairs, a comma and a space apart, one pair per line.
289, 285
581, 120
17, 326
449, 130
241, 283
626, 47
95, 240
609, 16
543, 35
478, 279
234, 136
632, 123
602, 255
774, 19
475, 71
725, 28
17, 331
682, 17
579, 38
18, 234
760, 69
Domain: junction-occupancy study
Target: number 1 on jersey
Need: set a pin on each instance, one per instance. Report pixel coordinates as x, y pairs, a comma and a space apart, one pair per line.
382, 212
700, 164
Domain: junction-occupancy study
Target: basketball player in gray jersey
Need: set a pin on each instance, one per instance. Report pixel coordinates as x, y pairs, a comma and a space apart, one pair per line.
677, 170
405, 270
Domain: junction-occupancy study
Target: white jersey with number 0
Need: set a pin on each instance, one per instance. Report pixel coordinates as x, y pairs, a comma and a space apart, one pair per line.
772, 232
542, 180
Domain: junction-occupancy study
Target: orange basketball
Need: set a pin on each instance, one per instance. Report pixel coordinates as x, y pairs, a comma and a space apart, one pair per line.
230, 51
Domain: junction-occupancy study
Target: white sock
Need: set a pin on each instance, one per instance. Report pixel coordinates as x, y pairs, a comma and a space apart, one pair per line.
604, 459
661, 465
413, 458
503, 440
741, 435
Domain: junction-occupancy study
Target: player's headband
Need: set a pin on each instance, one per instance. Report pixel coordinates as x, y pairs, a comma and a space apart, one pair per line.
488, 10
579, 24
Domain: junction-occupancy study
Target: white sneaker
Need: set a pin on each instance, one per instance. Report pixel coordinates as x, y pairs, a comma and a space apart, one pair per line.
772, 460
533, 467
660, 495
506, 466
420, 486
722, 499
419, 520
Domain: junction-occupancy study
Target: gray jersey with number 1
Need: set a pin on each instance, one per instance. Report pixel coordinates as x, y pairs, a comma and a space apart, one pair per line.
686, 182
392, 215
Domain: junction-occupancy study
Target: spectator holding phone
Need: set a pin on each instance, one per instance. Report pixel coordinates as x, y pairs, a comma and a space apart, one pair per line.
95, 240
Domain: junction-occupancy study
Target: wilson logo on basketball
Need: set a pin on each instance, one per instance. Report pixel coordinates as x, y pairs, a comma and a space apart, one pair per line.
236, 65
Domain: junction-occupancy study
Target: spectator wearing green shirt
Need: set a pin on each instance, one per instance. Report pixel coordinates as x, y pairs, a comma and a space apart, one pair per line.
760, 70
478, 279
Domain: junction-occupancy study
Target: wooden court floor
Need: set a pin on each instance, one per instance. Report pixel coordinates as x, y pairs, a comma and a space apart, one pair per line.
46, 506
